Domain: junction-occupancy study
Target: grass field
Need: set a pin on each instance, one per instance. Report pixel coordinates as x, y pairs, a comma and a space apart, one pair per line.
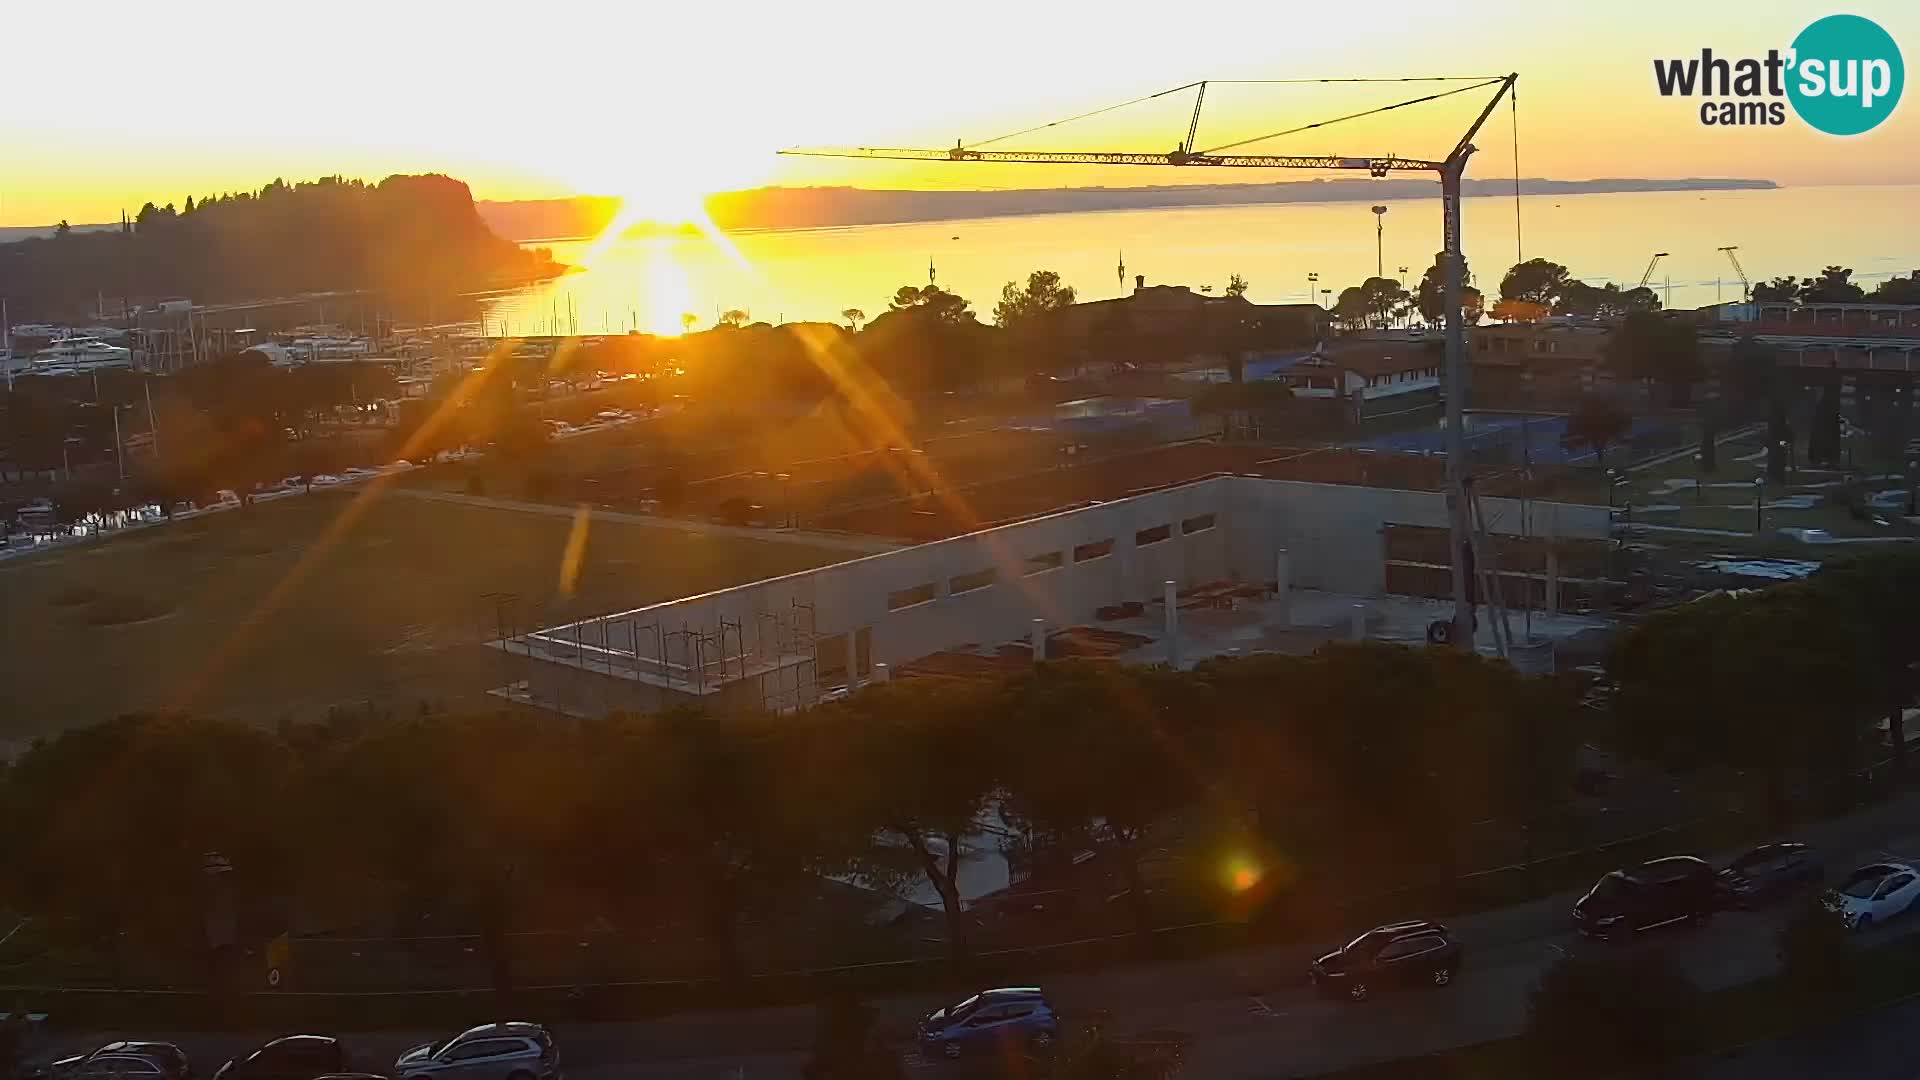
392, 613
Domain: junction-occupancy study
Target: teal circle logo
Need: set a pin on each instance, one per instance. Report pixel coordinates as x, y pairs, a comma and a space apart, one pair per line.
1847, 75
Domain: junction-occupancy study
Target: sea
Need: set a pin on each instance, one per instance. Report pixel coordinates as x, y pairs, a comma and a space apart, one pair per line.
1289, 253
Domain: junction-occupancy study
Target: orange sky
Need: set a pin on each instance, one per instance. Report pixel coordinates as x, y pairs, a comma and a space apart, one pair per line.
664, 105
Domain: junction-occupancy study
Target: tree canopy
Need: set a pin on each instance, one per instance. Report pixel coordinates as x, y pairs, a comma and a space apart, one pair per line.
406, 235
1043, 294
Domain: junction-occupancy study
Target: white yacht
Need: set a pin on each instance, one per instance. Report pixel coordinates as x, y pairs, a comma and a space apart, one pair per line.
79, 356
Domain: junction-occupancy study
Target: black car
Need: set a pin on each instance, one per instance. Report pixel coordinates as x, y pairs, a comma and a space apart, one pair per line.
1678, 889
168, 1061
1417, 953
149, 1060
295, 1057
1770, 872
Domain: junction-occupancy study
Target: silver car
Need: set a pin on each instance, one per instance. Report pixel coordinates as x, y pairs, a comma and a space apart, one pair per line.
510, 1051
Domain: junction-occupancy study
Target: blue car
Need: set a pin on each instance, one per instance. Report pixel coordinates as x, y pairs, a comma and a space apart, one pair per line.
1018, 1017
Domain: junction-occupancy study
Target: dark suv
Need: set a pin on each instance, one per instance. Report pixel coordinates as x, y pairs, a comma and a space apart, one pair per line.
1417, 953
992, 1019
1679, 889
1770, 872
295, 1057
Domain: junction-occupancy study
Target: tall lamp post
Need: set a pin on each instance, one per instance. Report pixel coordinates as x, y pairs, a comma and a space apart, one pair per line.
1759, 496
1313, 282
1379, 241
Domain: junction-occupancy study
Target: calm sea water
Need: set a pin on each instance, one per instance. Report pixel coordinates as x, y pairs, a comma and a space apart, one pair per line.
815, 273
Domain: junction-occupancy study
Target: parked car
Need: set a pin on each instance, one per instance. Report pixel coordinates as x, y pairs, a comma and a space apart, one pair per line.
507, 1051
156, 1060
992, 1018
1875, 893
1770, 872
1677, 889
1416, 953
294, 1057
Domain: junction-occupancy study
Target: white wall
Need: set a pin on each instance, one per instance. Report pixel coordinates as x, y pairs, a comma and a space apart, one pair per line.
1334, 535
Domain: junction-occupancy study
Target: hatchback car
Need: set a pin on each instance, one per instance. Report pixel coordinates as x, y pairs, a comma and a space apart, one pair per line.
1417, 953
508, 1051
1679, 889
1768, 873
1875, 893
1019, 1015
295, 1057
167, 1061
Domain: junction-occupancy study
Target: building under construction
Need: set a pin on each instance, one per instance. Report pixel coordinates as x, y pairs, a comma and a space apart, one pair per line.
1220, 565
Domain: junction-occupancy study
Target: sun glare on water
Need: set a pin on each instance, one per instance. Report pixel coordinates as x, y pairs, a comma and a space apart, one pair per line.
667, 201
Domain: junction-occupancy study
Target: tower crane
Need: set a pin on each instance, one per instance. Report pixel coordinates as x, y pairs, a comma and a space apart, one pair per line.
1651, 263
1187, 155
1746, 287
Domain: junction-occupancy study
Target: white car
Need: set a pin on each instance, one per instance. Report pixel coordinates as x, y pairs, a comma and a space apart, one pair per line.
1875, 893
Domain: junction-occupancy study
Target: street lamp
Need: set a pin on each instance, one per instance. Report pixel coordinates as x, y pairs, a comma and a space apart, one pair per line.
1759, 495
1379, 240
1327, 295
1313, 279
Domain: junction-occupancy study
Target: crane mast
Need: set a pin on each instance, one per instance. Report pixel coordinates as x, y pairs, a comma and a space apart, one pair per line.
1450, 170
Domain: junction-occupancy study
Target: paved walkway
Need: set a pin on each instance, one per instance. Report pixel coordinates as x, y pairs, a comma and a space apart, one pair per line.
1248, 1010
848, 542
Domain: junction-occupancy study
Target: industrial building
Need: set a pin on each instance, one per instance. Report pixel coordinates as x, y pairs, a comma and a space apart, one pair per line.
1245, 560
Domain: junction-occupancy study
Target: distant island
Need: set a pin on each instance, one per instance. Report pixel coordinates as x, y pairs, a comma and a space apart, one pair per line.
819, 207
408, 236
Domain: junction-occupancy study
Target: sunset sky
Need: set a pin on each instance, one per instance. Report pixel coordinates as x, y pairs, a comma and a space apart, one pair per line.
114, 103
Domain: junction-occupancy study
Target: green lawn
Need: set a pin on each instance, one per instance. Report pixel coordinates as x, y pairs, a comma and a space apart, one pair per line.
392, 613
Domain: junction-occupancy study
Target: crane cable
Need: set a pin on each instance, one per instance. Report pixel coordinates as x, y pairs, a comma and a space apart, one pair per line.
1513, 102
1082, 116
1485, 80
1349, 116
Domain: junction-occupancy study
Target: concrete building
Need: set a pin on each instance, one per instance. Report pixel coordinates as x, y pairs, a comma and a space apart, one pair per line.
785, 642
1555, 361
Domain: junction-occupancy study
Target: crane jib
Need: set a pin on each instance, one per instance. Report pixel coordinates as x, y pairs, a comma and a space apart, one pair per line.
1378, 166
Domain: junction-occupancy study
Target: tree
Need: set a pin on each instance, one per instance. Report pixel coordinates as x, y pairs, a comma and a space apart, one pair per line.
930, 772
62, 229
1042, 295
687, 319
854, 317
1537, 281
732, 319
1898, 290
1604, 302
1598, 1013
1105, 766
937, 303
1598, 422
1772, 683
694, 804
1432, 293
1779, 289
1376, 301
1833, 286
1652, 346
1519, 311
1236, 286
1823, 439
160, 792
1755, 369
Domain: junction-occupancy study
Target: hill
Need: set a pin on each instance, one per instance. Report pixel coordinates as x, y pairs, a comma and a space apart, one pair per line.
407, 235
796, 208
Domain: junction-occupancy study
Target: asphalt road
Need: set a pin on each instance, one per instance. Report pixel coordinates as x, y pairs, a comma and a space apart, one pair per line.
1877, 1046
1250, 1012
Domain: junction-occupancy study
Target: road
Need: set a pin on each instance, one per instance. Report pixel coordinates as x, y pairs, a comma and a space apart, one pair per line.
1877, 1046
1249, 1011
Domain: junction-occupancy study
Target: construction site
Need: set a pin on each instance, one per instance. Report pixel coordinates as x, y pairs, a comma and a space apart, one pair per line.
1221, 565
